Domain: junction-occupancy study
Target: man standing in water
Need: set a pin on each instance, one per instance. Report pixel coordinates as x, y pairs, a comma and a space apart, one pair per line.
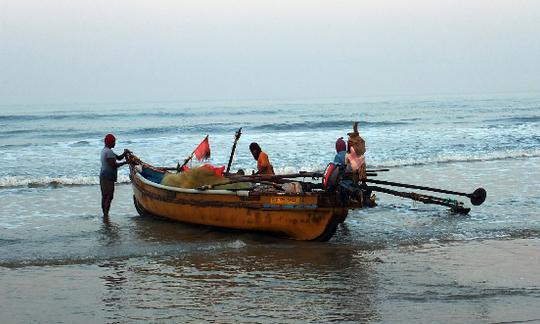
263, 163
109, 173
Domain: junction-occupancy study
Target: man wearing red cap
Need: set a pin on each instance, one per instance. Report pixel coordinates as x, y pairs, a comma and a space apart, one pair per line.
109, 172
341, 151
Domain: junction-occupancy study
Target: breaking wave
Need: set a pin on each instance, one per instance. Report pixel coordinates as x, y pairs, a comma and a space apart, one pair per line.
52, 182
41, 182
492, 156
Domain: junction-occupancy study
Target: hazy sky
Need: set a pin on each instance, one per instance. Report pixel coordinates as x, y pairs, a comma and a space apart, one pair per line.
164, 50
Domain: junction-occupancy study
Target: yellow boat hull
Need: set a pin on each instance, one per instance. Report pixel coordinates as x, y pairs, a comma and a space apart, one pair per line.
310, 216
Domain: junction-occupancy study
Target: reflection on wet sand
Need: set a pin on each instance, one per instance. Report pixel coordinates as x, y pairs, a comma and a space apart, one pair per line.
114, 292
282, 281
229, 275
158, 230
109, 233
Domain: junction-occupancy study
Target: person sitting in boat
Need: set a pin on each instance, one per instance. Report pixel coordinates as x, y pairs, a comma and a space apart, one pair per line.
341, 151
109, 172
355, 154
263, 163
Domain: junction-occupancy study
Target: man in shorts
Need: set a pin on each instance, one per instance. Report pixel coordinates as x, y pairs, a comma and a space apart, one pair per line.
109, 172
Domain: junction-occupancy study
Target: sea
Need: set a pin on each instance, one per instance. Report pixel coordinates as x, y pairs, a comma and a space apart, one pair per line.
401, 261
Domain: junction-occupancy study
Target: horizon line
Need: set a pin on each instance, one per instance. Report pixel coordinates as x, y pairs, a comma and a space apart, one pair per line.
300, 98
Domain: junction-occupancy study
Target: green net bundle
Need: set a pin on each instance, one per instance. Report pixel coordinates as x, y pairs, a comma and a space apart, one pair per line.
201, 176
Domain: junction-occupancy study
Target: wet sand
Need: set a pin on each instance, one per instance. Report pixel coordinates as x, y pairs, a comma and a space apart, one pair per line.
495, 281
492, 281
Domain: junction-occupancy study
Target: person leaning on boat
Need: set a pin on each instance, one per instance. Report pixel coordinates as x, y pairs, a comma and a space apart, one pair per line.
263, 163
109, 172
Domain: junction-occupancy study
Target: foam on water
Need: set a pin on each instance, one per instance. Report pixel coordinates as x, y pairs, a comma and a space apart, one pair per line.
237, 244
38, 182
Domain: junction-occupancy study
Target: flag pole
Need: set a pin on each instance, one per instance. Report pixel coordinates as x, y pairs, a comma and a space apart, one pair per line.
180, 167
236, 138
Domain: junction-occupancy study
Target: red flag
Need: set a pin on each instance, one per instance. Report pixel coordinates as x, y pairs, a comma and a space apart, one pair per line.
202, 151
218, 171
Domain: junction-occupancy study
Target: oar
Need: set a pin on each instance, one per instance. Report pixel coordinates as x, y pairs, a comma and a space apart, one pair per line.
208, 187
301, 174
244, 178
477, 197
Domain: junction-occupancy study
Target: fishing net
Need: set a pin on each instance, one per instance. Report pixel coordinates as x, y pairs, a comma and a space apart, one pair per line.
201, 176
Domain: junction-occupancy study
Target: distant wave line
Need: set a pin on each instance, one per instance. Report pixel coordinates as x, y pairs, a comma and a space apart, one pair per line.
212, 128
129, 115
517, 120
330, 124
93, 116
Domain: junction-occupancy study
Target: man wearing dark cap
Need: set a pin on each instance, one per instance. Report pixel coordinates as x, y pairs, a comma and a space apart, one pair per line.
109, 172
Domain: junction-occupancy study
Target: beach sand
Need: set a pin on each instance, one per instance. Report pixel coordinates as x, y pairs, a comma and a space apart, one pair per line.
493, 281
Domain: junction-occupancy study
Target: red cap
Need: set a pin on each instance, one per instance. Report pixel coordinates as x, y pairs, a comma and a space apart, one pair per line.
109, 140
340, 145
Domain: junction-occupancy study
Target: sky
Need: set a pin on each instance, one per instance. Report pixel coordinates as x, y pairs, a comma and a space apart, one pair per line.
54, 51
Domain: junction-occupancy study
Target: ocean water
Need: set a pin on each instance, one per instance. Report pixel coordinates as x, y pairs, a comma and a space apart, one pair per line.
57, 254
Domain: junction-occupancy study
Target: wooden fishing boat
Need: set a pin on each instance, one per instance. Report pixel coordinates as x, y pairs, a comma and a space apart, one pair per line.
310, 211
311, 215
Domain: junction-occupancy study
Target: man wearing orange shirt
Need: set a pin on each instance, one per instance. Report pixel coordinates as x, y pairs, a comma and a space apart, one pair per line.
263, 163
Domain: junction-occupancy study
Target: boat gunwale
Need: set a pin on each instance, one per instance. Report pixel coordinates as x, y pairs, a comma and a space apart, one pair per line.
243, 203
241, 193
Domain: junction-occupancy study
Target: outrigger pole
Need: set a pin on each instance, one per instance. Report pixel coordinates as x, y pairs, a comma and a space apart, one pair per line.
236, 138
455, 206
477, 197
361, 191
